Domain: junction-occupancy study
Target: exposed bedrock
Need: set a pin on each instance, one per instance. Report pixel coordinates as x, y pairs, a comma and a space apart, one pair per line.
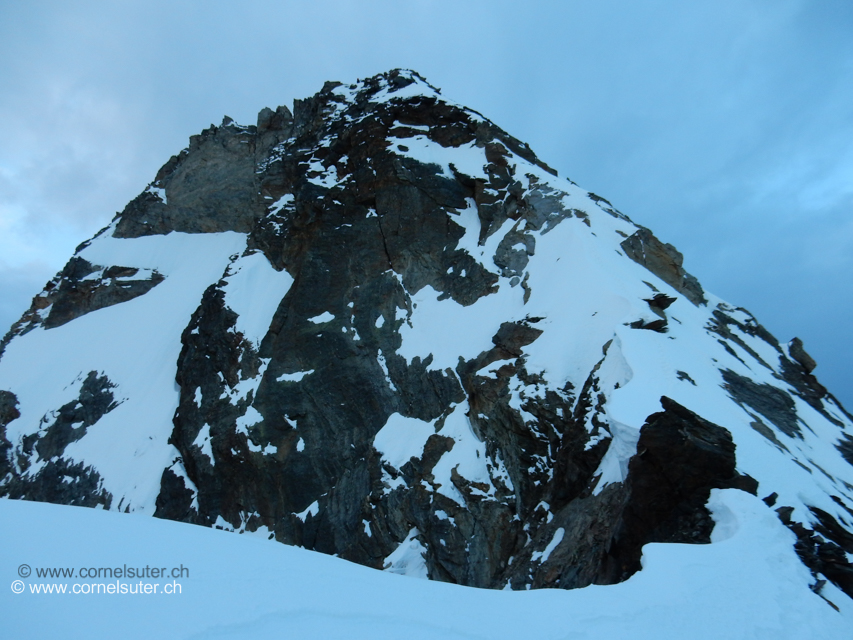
57, 478
82, 288
665, 261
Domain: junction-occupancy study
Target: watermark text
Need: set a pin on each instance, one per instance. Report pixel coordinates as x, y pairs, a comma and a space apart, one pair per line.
116, 580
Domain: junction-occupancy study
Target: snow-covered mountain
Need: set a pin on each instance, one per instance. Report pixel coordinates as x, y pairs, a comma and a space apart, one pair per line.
379, 327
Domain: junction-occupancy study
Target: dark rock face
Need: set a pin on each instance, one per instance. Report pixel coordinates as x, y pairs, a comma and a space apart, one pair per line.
294, 453
680, 458
210, 187
728, 327
8, 412
76, 297
74, 418
59, 480
799, 355
796, 371
81, 288
771, 402
822, 548
665, 261
845, 446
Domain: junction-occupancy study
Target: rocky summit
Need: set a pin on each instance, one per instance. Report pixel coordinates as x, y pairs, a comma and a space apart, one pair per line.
378, 326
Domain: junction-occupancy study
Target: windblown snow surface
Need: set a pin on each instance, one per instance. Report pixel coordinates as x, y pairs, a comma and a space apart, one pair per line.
747, 584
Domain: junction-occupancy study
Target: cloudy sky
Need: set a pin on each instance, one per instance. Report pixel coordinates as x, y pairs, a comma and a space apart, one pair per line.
726, 126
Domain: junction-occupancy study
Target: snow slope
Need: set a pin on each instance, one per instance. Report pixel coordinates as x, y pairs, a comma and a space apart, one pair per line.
747, 584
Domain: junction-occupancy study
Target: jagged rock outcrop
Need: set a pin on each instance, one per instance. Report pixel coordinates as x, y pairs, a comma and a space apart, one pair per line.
81, 288
379, 327
665, 261
8, 412
52, 477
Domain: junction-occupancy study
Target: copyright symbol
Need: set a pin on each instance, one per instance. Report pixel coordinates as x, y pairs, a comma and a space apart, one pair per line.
24, 571
18, 586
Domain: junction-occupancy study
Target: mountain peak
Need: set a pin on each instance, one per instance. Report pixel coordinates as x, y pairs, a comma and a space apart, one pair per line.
378, 326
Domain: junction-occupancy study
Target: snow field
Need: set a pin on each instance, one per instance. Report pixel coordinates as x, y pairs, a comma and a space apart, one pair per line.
748, 584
